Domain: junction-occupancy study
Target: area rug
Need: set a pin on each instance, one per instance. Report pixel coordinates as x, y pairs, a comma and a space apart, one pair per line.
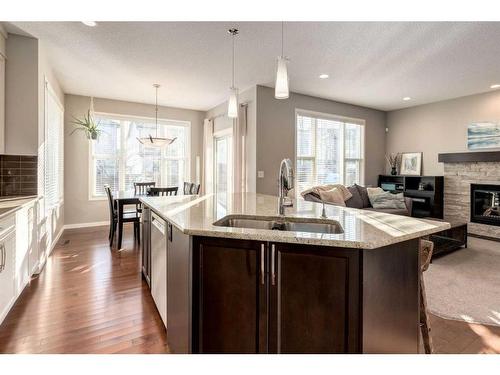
465, 285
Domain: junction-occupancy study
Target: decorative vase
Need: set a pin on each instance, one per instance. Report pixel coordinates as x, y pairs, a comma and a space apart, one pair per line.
394, 171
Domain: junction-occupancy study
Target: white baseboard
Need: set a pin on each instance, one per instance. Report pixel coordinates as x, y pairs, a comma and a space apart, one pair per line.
86, 225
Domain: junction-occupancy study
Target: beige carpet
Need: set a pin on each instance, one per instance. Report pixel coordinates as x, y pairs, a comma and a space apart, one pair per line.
465, 285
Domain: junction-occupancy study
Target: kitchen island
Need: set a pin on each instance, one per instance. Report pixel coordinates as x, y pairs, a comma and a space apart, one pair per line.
347, 284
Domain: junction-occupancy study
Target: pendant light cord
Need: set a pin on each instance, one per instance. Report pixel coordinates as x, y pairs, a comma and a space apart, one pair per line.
282, 38
232, 82
156, 109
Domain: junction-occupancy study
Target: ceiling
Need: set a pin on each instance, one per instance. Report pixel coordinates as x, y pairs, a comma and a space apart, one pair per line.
373, 64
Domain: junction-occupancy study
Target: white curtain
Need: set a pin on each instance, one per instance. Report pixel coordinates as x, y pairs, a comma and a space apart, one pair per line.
208, 157
239, 151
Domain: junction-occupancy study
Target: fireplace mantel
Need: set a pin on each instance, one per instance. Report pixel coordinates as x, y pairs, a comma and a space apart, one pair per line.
477, 156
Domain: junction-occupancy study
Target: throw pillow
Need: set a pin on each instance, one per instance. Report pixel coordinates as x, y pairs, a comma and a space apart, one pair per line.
333, 196
355, 201
372, 192
364, 196
387, 200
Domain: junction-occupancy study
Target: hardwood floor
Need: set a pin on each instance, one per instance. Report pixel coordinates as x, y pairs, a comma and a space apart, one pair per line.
90, 299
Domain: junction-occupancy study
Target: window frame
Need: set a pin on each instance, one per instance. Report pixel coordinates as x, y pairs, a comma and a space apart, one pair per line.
343, 120
121, 159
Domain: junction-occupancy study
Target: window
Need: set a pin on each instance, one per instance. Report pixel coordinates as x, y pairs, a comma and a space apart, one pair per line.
53, 182
329, 149
119, 159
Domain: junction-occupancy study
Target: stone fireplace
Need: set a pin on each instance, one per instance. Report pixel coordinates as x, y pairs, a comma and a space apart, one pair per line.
472, 191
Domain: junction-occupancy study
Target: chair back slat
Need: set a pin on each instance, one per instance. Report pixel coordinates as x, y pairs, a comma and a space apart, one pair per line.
141, 188
162, 191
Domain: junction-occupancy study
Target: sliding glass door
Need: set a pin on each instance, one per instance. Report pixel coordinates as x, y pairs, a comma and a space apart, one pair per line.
223, 167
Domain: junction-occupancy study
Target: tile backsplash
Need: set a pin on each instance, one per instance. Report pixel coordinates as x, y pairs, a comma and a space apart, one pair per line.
18, 175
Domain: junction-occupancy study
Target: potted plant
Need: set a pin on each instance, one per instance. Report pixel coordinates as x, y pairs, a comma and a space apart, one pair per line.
393, 160
87, 125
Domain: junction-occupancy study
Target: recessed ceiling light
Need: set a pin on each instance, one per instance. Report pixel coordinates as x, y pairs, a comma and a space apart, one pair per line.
406, 98
495, 86
90, 23
324, 76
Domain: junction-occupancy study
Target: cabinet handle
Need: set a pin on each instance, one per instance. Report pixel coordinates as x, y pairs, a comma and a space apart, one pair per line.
3, 255
262, 254
273, 271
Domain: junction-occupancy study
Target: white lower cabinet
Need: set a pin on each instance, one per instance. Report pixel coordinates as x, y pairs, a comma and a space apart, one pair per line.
7, 266
18, 254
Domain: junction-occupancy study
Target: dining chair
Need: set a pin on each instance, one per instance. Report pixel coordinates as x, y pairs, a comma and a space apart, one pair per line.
141, 188
128, 217
162, 191
190, 188
187, 188
195, 189
426, 249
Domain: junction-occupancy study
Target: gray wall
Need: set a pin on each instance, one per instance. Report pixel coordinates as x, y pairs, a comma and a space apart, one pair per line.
439, 127
276, 133
78, 208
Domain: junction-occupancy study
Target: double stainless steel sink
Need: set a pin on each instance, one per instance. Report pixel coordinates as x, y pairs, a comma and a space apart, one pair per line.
289, 224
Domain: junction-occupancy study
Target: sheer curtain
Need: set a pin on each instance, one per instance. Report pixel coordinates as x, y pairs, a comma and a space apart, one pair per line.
208, 157
239, 151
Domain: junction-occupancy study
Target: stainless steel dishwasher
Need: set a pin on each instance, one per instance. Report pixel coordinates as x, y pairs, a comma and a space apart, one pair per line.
159, 264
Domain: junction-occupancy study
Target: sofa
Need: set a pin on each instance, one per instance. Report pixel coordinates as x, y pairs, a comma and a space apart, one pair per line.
360, 200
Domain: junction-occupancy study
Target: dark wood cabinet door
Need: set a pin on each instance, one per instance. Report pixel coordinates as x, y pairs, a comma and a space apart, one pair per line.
314, 299
230, 295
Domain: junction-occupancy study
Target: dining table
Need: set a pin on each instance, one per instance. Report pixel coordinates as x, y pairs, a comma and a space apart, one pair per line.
124, 198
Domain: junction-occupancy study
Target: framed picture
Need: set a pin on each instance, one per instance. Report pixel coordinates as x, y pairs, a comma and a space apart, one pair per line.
483, 135
411, 163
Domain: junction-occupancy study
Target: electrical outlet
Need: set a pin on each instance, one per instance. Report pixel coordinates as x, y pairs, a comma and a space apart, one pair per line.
260, 174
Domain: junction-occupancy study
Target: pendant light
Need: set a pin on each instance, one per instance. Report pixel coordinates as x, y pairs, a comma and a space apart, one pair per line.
281, 87
156, 141
232, 105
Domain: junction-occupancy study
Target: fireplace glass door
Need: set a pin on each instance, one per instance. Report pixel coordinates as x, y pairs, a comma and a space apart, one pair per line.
485, 204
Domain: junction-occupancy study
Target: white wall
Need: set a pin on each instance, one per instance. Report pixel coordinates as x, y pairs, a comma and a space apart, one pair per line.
439, 127
78, 208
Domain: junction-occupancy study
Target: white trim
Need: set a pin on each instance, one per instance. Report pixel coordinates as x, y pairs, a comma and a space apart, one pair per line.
86, 225
135, 117
329, 116
3, 32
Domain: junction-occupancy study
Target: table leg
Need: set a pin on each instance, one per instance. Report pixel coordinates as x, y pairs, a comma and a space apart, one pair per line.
120, 225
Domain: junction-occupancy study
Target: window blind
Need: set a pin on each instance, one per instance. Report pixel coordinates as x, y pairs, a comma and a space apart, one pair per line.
329, 150
119, 159
54, 150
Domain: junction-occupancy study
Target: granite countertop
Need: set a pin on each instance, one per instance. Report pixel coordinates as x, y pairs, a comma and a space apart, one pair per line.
9, 205
363, 229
